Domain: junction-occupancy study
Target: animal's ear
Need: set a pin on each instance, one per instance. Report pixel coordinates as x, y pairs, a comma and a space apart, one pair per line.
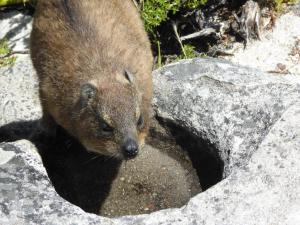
88, 91
129, 76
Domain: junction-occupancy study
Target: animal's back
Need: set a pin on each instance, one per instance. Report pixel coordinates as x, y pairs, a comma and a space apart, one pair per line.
108, 31
74, 42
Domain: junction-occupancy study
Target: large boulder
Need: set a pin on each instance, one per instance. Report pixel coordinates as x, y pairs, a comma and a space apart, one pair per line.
232, 107
263, 191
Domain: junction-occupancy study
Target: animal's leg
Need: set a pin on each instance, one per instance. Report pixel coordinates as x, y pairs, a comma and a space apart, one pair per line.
45, 131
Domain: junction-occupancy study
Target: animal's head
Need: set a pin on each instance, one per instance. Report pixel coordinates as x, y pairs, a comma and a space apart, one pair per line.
111, 117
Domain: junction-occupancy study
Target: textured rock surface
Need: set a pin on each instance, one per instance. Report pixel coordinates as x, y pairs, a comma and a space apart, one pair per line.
253, 118
27, 196
232, 107
263, 187
19, 93
15, 28
265, 191
19, 100
279, 49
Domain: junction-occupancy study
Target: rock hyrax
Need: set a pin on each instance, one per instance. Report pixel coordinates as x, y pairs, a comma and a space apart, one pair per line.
94, 63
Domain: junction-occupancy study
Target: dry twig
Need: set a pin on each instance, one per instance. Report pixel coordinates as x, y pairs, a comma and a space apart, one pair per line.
14, 53
204, 32
174, 25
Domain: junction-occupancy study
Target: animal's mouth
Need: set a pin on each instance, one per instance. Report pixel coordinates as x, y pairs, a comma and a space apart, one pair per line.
126, 158
119, 155
102, 152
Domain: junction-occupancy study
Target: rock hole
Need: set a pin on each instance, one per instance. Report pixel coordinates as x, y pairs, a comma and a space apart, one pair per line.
202, 153
183, 166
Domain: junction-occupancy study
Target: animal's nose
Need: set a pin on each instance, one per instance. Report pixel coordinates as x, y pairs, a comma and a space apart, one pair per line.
130, 148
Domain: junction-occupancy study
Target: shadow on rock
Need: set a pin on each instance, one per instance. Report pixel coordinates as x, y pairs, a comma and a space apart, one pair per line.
17, 24
202, 154
17, 130
87, 179
78, 176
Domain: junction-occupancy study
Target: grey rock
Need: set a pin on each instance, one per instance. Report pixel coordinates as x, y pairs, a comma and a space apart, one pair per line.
18, 83
264, 191
15, 28
296, 8
232, 107
276, 46
27, 196
19, 92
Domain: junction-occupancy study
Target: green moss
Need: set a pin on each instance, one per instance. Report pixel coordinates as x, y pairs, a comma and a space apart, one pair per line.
5, 58
278, 4
188, 52
193, 4
154, 12
4, 49
7, 61
16, 2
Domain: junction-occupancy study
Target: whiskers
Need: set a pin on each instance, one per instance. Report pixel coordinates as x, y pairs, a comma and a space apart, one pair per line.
114, 156
92, 159
104, 158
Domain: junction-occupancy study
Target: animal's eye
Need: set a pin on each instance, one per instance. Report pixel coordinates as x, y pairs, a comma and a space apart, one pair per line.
140, 122
106, 128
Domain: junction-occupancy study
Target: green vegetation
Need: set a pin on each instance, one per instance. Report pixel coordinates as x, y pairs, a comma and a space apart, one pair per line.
5, 58
188, 51
12, 2
4, 49
7, 61
278, 4
16, 2
155, 12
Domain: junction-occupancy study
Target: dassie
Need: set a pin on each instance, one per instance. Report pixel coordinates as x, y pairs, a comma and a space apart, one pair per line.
161, 176
94, 62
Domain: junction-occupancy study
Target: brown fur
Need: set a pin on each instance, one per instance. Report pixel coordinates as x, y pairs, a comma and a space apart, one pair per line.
75, 43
